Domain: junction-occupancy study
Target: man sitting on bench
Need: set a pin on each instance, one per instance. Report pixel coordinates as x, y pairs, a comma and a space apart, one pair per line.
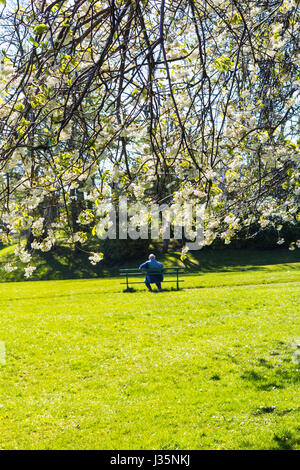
152, 278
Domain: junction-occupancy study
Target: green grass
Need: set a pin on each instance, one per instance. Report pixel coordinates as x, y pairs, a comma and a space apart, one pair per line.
208, 367
63, 263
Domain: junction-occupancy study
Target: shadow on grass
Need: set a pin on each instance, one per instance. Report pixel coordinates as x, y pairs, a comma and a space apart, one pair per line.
260, 381
285, 441
129, 290
154, 291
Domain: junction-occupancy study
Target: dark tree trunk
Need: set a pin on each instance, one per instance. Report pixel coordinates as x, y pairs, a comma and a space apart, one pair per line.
76, 207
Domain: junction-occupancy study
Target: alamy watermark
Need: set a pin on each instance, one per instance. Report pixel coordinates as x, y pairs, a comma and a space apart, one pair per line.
125, 220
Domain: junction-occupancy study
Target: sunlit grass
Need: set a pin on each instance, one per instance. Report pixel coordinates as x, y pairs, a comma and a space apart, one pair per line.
208, 367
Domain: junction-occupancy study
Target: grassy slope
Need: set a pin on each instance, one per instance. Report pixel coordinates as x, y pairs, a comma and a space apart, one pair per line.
91, 367
62, 263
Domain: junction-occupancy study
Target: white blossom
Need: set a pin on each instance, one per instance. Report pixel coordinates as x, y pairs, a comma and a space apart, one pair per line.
95, 258
37, 227
29, 271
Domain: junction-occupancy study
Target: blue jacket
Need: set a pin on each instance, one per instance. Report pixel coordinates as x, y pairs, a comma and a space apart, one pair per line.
152, 264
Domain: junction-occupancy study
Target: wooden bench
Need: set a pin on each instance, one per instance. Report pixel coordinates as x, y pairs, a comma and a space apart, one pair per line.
134, 272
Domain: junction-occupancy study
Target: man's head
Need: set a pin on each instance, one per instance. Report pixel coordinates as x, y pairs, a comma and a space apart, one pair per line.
152, 256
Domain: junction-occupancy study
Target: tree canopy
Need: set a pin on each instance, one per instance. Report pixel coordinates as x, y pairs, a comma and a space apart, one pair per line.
158, 100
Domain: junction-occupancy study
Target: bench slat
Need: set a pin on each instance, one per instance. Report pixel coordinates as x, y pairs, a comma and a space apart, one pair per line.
152, 269
130, 273
139, 273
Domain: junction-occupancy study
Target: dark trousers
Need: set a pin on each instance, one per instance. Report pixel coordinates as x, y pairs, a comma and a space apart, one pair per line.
158, 284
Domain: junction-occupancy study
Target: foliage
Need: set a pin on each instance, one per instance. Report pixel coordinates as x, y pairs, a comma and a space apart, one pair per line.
63, 263
117, 252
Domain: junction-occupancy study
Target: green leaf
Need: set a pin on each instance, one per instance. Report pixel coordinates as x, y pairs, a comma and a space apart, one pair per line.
20, 107
33, 41
3, 2
40, 28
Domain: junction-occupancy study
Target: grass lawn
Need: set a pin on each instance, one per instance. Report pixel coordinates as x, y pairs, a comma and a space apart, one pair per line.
208, 367
63, 263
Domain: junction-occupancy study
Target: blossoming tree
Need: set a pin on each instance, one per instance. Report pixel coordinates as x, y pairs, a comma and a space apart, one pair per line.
158, 100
